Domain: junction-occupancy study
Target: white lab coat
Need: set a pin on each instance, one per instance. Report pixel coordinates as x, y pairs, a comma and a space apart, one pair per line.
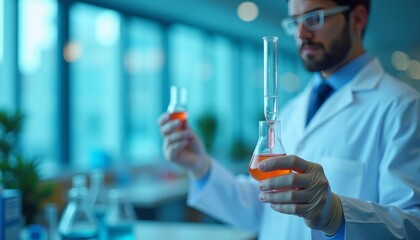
367, 138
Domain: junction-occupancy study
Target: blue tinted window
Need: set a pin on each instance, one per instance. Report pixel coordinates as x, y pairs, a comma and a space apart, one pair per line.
1, 30
6, 67
252, 93
37, 66
95, 89
187, 62
194, 63
144, 63
225, 93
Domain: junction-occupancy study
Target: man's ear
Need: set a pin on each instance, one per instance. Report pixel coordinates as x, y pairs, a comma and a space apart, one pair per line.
359, 16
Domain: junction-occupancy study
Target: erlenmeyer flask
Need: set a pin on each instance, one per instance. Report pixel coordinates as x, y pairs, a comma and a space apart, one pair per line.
97, 193
79, 181
177, 107
78, 221
267, 148
120, 218
98, 199
50, 212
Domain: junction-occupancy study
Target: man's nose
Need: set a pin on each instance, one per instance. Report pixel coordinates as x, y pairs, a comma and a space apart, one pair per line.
303, 32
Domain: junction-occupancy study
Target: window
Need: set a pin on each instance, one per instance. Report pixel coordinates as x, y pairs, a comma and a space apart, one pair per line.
225, 93
1, 30
6, 68
210, 67
253, 92
204, 64
37, 66
187, 67
95, 87
120, 71
144, 63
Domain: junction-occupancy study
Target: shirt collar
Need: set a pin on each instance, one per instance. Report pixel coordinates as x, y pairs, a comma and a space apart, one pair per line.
346, 73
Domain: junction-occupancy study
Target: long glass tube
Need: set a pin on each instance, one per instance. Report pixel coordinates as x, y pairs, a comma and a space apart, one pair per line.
270, 78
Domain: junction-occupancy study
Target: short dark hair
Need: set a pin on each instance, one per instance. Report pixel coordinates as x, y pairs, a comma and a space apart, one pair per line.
354, 3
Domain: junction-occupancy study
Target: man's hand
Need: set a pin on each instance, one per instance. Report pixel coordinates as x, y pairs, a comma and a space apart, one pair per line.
183, 147
305, 192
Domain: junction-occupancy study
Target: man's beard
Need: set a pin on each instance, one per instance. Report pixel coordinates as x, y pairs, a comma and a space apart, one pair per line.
338, 51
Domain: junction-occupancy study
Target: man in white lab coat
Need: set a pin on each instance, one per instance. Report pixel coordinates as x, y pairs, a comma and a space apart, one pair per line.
355, 158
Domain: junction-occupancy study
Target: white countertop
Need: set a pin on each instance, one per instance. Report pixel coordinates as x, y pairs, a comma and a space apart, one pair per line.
155, 192
156, 230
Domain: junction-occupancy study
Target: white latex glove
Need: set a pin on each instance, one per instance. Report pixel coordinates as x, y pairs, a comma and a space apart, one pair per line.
183, 147
305, 192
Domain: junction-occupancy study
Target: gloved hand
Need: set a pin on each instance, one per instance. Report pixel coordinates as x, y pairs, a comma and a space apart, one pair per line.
305, 192
183, 147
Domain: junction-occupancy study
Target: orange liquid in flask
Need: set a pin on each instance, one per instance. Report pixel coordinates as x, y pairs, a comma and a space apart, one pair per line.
182, 116
260, 176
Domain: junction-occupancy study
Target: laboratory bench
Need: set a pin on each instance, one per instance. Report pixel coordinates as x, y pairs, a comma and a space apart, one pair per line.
157, 230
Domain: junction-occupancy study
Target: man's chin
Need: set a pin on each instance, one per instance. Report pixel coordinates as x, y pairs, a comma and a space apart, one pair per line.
312, 66
310, 63
311, 69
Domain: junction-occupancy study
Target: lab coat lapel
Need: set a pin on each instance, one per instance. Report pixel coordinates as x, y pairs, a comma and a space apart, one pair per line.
301, 112
365, 80
330, 108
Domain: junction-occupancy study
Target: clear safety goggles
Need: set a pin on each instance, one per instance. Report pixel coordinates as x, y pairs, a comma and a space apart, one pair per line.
312, 20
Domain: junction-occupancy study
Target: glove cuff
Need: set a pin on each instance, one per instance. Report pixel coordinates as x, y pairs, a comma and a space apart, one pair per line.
335, 217
202, 168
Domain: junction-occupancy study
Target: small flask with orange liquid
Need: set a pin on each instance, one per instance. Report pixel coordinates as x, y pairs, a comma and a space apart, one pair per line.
269, 145
177, 107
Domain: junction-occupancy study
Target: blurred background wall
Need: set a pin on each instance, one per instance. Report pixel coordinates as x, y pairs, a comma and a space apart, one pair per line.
92, 76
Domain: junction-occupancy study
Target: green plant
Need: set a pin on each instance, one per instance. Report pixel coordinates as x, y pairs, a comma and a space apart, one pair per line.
207, 124
240, 151
17, 171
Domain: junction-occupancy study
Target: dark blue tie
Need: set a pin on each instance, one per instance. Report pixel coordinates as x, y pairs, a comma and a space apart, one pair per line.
318, 96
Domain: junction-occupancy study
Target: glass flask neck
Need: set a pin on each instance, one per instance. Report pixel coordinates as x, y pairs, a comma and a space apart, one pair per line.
178, 100
97, 176
78, 196
269, 140
97, 182
264, 128
79, 181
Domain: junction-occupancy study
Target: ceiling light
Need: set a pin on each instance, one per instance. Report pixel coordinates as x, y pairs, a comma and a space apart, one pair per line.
247, 11
414, 69
400, 60
107, 28
72, 51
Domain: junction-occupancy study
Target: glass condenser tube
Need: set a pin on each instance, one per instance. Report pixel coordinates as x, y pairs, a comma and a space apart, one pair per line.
270, 85
270, 78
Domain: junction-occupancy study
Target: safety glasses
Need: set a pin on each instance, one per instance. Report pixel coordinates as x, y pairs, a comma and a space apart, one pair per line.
312, 20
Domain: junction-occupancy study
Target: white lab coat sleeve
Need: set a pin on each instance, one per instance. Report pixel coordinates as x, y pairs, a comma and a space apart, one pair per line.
230, 199
397, 213
368, 220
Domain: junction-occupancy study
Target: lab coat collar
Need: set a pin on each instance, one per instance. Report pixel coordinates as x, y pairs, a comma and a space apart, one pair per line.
366, 80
